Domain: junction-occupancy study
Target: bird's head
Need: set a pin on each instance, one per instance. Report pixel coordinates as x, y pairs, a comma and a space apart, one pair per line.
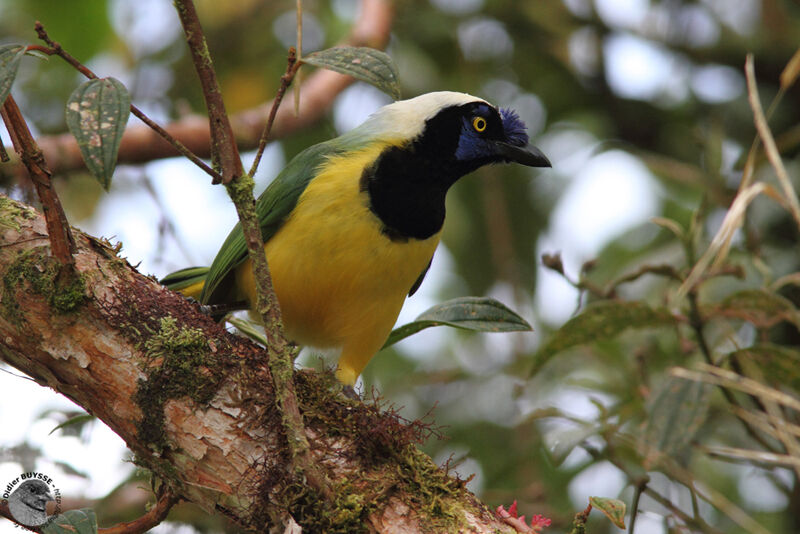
35, 494
460, 130
429, 142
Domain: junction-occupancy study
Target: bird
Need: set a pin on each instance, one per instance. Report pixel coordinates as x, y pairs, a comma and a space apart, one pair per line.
350, 225
29, 501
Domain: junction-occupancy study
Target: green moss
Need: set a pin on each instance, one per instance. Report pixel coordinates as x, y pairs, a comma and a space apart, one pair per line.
179, 364
62, 287
241, 188
11, 212
429, 484
393, 467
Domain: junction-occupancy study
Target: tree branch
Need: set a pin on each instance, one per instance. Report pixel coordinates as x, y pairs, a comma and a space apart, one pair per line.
153, 517
61, 239
195, 404
320, 89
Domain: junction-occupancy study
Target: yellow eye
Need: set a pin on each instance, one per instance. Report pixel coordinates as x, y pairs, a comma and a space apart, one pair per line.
479, 123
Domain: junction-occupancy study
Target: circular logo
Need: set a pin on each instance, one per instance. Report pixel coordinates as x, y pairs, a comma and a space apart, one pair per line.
27, 496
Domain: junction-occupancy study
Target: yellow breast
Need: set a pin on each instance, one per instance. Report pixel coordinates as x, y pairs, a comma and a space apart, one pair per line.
339, 280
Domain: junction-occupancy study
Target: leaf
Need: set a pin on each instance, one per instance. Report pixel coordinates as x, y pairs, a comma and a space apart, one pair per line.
614, 509
791, 71
83, 521
565, 441
97, 112
77, 420
669, 224
675, 414
249, 329
601, 321
779, 365
10, 58
362, 63
466, 313
761, 307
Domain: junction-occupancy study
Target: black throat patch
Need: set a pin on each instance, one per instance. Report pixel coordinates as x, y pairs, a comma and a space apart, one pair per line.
407, 193
407, 184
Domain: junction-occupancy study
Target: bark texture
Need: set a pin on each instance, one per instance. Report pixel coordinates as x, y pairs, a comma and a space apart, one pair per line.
194, 402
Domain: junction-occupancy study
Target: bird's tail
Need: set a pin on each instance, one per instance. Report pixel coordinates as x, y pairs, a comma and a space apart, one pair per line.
189, 281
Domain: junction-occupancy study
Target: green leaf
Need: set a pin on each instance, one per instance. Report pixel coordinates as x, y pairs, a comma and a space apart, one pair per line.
601, 321
97, 112
614, 509
478, 314
675, 414
779, 365
83, 521
565, 441
77, 420
249, 329
761, 307
10, 57
362, 63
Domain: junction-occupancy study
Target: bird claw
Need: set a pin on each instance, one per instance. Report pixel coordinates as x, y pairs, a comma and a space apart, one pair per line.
350, 393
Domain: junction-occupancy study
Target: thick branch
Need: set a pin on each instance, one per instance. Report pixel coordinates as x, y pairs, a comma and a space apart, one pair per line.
208, 430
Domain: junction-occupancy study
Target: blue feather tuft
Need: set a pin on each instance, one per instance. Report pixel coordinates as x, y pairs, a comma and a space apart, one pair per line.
513, 127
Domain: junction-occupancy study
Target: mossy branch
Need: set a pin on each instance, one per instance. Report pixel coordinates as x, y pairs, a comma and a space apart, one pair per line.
205, 424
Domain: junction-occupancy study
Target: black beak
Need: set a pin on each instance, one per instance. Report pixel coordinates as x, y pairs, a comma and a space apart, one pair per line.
530, 156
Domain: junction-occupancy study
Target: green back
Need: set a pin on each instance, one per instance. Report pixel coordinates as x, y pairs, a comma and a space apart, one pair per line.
273, 207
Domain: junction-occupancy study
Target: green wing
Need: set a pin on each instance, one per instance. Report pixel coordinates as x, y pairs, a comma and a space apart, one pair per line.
184, 278
273, 207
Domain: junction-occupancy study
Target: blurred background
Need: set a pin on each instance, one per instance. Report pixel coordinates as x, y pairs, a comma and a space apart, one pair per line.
642, 107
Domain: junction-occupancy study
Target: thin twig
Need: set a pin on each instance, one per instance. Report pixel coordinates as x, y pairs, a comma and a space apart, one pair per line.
55, 48
769, 142
153, 517
697, 323
3, 154
225, 156
61, 240
292, 65
224, 152
641, 485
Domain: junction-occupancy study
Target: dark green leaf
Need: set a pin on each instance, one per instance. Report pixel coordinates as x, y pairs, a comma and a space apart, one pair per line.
10, 57
77, 420
97, 112
675, 414
362, 63
83, 521
601, 321
761, 307
613, 509
467, 313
